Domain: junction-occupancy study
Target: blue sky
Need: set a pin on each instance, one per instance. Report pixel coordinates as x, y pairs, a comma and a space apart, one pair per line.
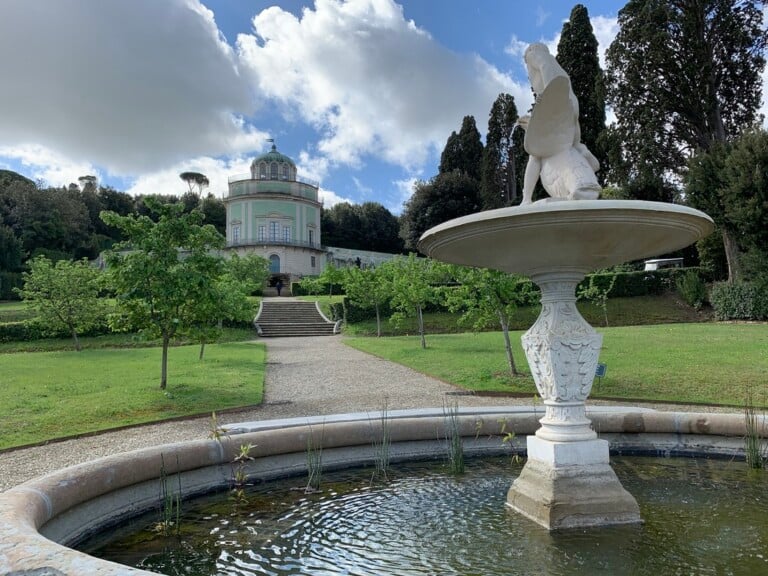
362, 94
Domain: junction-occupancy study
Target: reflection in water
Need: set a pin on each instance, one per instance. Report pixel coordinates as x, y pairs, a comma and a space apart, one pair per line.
701, 517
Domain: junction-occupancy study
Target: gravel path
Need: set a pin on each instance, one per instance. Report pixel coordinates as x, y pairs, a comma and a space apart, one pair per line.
305, 376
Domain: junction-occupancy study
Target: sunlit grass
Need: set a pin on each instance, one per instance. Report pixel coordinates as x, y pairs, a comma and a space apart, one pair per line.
47, 395
709, 363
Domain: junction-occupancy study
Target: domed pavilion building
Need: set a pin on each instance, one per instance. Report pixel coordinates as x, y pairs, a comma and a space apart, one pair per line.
273, 213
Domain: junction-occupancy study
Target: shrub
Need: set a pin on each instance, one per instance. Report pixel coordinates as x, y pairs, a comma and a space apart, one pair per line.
740, 300
692, 289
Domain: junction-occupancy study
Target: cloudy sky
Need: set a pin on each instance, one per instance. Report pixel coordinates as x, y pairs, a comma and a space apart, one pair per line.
361, 93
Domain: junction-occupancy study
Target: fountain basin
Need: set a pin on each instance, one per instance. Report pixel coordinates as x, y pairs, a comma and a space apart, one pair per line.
575, 235
41, 518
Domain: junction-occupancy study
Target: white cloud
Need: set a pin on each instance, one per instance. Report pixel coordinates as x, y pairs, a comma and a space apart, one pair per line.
48, 165
605, 29
167, 181
369, 80
405, 191
330, 198
516, 47
128, 85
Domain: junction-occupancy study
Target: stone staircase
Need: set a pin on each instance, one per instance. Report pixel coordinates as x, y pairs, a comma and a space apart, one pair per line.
282, 318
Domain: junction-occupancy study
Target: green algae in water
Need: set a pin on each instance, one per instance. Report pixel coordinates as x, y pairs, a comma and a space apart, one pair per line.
701, 517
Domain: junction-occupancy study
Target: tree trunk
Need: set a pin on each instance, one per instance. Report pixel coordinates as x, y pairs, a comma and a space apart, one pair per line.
508, 344
77, 342
202, 349
378, 322
732, 256
164, 363
421, 327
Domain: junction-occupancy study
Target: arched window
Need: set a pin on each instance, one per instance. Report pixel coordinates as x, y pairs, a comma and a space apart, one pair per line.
274, 264
262, 170
285, 171
273, 171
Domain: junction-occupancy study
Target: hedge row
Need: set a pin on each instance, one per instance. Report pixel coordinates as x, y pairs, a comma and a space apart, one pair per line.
644, 282
740, 300
298, 290
29, 330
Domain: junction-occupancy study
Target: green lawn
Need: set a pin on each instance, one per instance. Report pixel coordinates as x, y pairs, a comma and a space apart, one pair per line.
14, 311
697, 363
47, 395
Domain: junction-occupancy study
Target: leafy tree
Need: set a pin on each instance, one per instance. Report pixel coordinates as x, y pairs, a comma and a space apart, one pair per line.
683, 76
486, 296
215, 212
196, 181
504, 157
11, 251
413, 280
161, 271
444, 197
226, 298
577, 54
745, 199
65, 295
368, 288
463, 151
249, 271
367, 226
342, 226
332, 276
381, 228
597, 294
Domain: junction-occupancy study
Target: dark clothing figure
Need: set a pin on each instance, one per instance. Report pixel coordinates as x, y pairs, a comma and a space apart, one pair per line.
279, 286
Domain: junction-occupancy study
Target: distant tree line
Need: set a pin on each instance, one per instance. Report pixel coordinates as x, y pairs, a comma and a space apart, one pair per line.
63, 223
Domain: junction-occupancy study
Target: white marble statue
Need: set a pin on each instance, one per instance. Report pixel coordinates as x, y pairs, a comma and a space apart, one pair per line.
553, 135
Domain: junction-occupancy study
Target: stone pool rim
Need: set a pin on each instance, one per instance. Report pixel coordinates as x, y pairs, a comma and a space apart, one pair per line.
39, 518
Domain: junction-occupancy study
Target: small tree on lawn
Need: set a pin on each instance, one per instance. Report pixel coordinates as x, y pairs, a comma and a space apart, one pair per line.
227, 297
65, 295
486, 296
413, 281
368, 288
163, 271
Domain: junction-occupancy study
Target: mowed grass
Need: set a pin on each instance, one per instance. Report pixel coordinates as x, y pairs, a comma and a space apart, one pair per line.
707, 363
46, 395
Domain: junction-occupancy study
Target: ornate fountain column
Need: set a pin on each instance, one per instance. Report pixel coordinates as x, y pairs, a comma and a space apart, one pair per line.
562, 351
567, 481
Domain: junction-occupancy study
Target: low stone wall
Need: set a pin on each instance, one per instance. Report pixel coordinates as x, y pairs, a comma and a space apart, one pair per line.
40, 518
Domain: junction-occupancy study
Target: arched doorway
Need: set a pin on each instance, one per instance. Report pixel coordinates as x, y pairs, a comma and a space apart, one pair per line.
274, 264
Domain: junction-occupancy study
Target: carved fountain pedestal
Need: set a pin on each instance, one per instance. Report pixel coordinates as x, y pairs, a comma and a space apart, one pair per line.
567, 481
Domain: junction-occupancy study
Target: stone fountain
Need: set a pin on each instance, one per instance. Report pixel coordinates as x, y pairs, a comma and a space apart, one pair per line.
567, 481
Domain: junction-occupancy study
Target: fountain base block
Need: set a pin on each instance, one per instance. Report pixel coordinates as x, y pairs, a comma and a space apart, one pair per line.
571, 485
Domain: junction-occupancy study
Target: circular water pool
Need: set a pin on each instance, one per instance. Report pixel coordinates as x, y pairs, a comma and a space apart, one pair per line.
701, 517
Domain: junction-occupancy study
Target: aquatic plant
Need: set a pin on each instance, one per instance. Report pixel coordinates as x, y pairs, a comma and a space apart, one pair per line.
755, 445
454, 441
381, 446
314, 462
170, 502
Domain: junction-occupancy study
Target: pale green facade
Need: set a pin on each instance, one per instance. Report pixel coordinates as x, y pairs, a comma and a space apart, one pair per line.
272, 213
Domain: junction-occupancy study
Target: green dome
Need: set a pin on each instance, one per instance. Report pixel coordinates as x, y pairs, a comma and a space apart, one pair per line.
273, 156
